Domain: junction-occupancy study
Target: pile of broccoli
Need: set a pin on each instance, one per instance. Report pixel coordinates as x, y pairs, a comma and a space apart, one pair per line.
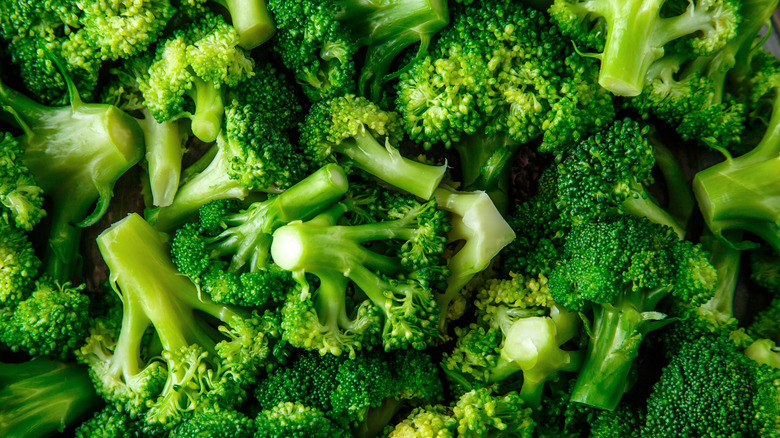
391, 218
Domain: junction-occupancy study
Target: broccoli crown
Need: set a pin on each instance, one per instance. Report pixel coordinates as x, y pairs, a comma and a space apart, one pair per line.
20, 265
295, 420
395, 263
429, 421
227, 252
53, 321
40, 397
632, 35
500, 68
20, 196
214, 421
481, 413
110, 422
190, 71
208, 353
711, 389
338, 387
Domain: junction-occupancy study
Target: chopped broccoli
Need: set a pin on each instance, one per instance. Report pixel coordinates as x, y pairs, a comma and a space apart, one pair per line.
295, 420
21, 200
214, 421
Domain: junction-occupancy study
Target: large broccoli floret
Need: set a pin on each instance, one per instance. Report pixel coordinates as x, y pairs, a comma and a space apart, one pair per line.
395, 263
631, 35
295, 420
206, 353
319, 40
498, 77
621, 268
227, 252
519, 331
76, 154
608, 173
710, 388
368, 137
40, 397
190, 72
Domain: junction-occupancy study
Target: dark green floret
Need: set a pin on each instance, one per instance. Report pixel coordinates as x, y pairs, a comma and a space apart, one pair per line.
295, 420
21, 199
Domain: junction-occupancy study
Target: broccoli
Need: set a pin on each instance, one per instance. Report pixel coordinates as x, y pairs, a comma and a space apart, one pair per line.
368, 137
190, 71
20, 265
320, 40
76, 154
500, 76
110, 422
251, 18
608, 173
395, 262
711, 389
21, 199
519, 330
434, 421
483, 232
295, 420
214, 421
227, 252
206, 353
41, 397
164, 140
621, 268
631, 35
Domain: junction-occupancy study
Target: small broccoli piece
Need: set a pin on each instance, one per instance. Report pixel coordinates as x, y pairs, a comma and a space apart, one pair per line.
519, 330
251, 18
631, 35
623, 267
111, 423
391, 261
19, 265
214, 421
357, 128
294, 420
609, 173
710, 388
76, 154
480, 413
190, 72
41, 397
477, 223
21, 200
433, 421
208, 353
53, 321
319, 40
227, 253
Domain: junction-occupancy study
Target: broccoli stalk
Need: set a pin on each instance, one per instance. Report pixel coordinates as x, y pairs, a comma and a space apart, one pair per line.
41, 397
76, 154
164, 150
251, 20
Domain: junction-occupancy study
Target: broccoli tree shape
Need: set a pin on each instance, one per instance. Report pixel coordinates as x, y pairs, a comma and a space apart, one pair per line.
631, 35
190, 72
227, 253
621, 268
76, 154
205, 353
368, 137
519, 332
393, 265
319, 40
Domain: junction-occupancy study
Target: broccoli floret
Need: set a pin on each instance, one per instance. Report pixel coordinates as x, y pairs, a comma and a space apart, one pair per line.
214, 421
227, 253
76, 154
395, 262
631, 35
319, 40
20, 265
483, 232
519, 330
190, 72
608, 173
295, 420
53, 321
623, 267
368, 137
432, 421
251, 18
480, 413
712, 389
110, 422
41, 397
21, 200
208, 353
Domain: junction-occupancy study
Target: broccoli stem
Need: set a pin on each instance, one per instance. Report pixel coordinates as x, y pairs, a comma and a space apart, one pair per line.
40, 397
386, 163
164, 150
209, 109
389, 28
644, 206
251, 20
681, 200
742, 193
617, 333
